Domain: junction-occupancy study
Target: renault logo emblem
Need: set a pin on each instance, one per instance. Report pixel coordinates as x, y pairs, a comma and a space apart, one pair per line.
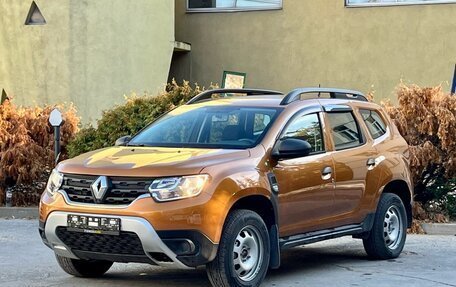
99, 188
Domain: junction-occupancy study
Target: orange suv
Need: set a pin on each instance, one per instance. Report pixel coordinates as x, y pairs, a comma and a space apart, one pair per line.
231, 179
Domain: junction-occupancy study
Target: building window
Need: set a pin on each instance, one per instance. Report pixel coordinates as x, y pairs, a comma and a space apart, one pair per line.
363, 3
34, 16
232, 5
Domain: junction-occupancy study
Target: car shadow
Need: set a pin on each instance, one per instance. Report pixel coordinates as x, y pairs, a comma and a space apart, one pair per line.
308, 258
144, 275
302, 260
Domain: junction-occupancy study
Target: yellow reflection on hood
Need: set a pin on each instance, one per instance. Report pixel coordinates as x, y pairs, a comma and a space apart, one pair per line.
134, 157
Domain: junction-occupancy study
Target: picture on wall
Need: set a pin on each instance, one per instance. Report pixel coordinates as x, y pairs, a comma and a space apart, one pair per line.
233, 80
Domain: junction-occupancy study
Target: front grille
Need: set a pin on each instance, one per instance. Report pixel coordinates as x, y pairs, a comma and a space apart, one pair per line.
127, 243
121, 190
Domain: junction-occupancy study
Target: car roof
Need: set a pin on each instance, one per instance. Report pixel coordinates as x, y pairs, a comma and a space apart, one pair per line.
271, 98
274, 101
251, 101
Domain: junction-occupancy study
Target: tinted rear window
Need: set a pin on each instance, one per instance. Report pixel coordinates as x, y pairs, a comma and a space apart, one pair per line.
374, 123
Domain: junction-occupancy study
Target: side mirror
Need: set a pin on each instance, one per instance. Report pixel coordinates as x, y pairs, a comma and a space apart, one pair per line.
291, 148
123, 141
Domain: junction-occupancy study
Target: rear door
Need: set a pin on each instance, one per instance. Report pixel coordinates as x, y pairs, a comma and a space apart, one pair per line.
353, 157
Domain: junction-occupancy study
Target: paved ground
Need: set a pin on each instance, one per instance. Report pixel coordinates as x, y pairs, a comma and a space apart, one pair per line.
426, 261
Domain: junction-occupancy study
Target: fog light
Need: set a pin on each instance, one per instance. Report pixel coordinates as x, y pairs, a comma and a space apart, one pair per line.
181, 246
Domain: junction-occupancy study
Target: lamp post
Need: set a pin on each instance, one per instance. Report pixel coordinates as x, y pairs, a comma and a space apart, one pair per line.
9, 182
8, 197
56, 121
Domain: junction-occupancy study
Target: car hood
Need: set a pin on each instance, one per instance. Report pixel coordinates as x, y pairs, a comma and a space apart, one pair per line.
148, 161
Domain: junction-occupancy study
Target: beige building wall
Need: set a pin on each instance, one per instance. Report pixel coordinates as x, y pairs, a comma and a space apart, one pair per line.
308, 43
90, 52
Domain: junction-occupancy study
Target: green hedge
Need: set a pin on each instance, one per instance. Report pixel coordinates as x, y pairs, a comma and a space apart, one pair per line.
130, 117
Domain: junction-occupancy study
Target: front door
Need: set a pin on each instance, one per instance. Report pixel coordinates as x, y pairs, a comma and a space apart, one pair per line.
306, 183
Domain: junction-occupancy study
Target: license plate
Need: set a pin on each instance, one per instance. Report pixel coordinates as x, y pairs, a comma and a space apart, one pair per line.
93, 224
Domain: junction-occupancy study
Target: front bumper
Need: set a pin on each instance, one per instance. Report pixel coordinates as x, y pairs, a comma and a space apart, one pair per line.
164, 252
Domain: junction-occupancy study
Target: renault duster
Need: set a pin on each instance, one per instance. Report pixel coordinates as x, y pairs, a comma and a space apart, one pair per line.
230, 180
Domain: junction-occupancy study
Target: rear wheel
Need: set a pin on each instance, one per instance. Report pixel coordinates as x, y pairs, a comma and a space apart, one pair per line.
387, 237
244, 252
83, 268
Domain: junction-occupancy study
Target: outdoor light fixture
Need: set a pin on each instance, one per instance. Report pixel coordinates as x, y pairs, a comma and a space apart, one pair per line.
173, 188
56, 121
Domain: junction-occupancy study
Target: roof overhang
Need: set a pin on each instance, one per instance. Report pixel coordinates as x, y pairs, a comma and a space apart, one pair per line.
182, 47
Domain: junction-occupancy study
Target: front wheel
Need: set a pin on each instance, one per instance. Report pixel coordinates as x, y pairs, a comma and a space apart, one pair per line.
244, 251
387, 237
83, 268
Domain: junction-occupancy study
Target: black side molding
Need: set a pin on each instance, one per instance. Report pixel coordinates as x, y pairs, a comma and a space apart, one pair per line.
274, 262
320, 235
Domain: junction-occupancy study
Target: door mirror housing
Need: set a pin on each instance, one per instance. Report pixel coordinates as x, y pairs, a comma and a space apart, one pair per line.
291, 148
122, 141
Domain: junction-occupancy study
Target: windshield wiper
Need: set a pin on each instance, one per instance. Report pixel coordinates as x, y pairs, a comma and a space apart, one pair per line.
135, 145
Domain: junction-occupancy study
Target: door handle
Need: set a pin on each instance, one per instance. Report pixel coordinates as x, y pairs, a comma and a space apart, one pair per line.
326, 173
370, 163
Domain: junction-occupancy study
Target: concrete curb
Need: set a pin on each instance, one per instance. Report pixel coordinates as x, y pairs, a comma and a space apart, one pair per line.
439, 228
19, 212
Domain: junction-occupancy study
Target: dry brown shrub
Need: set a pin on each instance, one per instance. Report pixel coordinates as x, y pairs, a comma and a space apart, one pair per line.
416, 227
418, 211
425, 215
426, 118
26, 145
370, 96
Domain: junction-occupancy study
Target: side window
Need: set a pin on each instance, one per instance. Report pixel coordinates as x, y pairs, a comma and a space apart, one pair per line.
374, 123
225, 127
306, 127
260, 122
344, 130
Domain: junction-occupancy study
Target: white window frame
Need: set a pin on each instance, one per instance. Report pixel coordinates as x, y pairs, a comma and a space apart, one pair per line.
218, 10
401, 3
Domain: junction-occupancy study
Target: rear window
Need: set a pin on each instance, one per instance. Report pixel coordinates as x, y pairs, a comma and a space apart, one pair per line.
374, 123
344, 130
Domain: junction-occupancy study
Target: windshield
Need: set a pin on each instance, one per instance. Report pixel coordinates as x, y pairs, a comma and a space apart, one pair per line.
208, 127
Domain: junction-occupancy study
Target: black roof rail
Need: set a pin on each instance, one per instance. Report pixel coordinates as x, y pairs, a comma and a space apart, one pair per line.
333, 93
207, 95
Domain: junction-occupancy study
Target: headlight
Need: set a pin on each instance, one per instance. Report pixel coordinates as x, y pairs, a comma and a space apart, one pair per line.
54, 183
173, 188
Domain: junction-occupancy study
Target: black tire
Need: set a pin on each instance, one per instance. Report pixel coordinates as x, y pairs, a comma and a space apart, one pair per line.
380, 244
83, 268
223, 271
